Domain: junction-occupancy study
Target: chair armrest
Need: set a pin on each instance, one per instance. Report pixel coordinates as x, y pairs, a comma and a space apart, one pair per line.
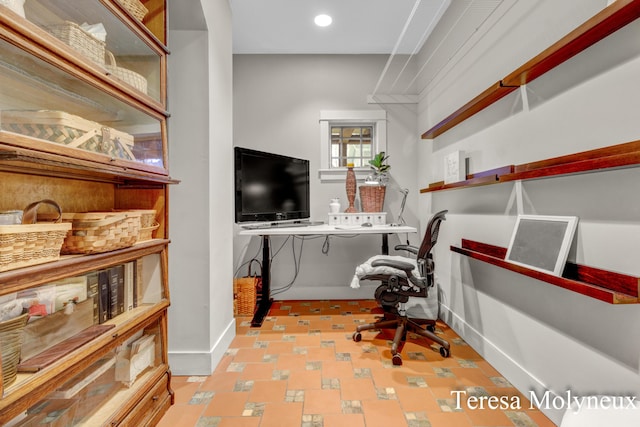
400, 265
407, 248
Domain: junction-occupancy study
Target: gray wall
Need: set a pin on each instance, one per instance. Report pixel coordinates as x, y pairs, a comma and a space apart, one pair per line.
201, 323
539, 336
277, 104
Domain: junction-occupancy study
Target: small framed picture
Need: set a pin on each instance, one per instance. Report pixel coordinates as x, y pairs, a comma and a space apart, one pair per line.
542, 242
455, 168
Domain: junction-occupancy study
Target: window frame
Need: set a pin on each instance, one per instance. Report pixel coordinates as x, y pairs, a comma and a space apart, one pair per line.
375, 118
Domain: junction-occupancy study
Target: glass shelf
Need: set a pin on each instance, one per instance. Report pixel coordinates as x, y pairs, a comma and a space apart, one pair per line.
121, 53
89, 397
40, 102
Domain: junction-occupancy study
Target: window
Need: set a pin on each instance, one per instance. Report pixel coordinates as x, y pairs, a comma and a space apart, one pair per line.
350, 137
351, 144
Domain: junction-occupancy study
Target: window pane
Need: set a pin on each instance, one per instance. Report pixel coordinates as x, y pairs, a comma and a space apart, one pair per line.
351, 144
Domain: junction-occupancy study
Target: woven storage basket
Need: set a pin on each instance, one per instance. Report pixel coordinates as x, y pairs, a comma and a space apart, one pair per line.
372, 197
10, 346
148, 223
73, 131
146, 233
22, 245
246, 293
98, 232
129, 77
136, 8
80, 40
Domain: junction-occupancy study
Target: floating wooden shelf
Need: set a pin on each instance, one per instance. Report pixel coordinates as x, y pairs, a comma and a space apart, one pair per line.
490, 95
612, 157
607, 21
607, 286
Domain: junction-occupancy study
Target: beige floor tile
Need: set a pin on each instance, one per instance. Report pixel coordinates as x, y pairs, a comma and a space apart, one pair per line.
306, 370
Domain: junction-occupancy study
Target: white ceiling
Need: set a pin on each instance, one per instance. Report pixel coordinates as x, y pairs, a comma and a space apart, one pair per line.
359, 26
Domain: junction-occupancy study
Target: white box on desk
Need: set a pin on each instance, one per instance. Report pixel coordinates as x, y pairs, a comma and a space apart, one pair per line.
358, 218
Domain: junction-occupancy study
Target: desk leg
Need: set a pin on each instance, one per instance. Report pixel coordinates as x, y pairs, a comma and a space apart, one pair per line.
265, 301
385, 244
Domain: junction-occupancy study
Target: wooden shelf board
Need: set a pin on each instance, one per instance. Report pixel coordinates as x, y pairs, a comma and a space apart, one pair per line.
18, 159
15, 280
490, 95
604, 23
607, 286
599, 159
49, 356
607, 21
473, 180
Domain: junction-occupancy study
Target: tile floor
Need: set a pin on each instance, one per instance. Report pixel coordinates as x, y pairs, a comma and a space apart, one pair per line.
302, 369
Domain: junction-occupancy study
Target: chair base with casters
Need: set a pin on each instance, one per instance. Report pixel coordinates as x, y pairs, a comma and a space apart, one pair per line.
395, 317
406, 280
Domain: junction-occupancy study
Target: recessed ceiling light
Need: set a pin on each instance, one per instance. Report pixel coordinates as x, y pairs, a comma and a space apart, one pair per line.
323, 20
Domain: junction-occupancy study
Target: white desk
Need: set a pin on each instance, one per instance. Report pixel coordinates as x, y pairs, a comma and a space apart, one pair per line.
310, 230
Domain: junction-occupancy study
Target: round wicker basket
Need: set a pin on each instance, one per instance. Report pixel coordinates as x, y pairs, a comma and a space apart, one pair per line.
10, 346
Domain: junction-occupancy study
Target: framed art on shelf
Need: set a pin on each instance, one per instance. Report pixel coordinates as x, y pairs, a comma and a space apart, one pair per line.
542, 242
455, 168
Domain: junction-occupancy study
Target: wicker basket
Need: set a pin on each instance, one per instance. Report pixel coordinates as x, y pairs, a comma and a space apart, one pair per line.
146, 233
246, 293
129, 77
136, 8
244, 296
372, 197
10, 345
73, 131
98, 232
80, 40
22, 245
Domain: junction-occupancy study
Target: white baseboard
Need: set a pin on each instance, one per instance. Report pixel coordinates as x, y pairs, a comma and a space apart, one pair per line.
510, 369
193, 363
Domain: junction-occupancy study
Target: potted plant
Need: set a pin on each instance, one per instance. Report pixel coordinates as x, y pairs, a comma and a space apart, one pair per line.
380, 168
374, 188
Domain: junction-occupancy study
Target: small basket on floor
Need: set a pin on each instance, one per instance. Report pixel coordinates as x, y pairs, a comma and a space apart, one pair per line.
246, 291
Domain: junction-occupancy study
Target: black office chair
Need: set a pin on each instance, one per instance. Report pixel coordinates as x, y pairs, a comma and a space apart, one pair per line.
402, 283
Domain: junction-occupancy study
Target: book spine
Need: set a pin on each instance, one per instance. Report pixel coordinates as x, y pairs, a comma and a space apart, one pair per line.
129, 272
93, 294
121, 292
116, 291
103, 302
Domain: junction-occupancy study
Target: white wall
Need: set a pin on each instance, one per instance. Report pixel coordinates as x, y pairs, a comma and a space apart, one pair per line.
277, 104
201, 323
539, 336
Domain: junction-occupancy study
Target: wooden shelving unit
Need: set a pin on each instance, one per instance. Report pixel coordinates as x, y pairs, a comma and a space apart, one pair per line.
611, 157
119, 298
607, 286
610, 19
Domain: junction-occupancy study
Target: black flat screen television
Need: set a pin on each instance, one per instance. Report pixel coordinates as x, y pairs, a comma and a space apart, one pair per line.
270, 187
